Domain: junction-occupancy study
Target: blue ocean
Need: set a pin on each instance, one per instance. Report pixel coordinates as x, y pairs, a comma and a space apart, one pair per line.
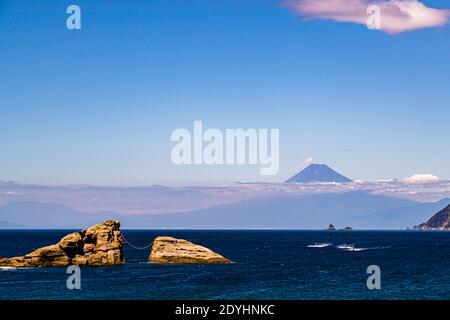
267, 265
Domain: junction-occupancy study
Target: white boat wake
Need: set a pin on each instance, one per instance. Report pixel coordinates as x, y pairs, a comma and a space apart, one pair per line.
351, 247
319, 245
346, 246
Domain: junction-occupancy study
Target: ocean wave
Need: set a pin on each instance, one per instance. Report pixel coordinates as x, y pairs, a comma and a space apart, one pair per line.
7, 268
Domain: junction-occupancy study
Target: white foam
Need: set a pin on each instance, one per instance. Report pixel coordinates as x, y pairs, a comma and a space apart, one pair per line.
7, 268
319, 245
356, 249
352, 248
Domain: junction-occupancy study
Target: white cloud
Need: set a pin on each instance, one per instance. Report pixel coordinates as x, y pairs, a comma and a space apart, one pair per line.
396, 15
422, 178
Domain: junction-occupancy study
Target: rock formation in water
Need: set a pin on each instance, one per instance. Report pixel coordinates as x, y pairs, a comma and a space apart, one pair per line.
172, 250
98, 245
333, 228
440, 221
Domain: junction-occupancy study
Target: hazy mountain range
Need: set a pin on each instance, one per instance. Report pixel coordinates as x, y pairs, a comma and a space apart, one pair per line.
356, 209
312, 199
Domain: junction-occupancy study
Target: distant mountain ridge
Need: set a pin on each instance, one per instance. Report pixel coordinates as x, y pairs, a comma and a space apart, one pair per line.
399, 217
280, 212
316, 173
9, 225
34, 214
357, 209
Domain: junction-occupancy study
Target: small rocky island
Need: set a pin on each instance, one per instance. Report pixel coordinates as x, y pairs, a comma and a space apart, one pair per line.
172, 250
440, 221
333, 228
98, 245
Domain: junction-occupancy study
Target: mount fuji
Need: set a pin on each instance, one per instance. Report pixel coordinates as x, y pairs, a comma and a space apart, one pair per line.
316, 173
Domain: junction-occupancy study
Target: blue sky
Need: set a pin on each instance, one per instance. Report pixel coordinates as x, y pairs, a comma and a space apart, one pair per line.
98, 105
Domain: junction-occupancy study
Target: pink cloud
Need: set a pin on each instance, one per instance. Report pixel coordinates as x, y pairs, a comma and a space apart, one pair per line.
397, 16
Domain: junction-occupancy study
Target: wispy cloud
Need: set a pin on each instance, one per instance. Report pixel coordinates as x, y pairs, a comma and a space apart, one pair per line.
397, 16
306, 162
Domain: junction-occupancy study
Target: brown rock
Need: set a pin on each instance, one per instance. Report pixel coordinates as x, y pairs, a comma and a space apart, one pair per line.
98, 245
172, 250
71, 241
80, 260
88, 248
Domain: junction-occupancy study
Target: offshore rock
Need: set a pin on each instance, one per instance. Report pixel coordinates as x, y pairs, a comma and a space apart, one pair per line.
98, 245
172, 250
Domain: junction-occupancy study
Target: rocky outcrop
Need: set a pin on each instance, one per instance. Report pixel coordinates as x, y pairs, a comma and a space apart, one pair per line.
440, 221
332, 228
172, 250
98, 245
